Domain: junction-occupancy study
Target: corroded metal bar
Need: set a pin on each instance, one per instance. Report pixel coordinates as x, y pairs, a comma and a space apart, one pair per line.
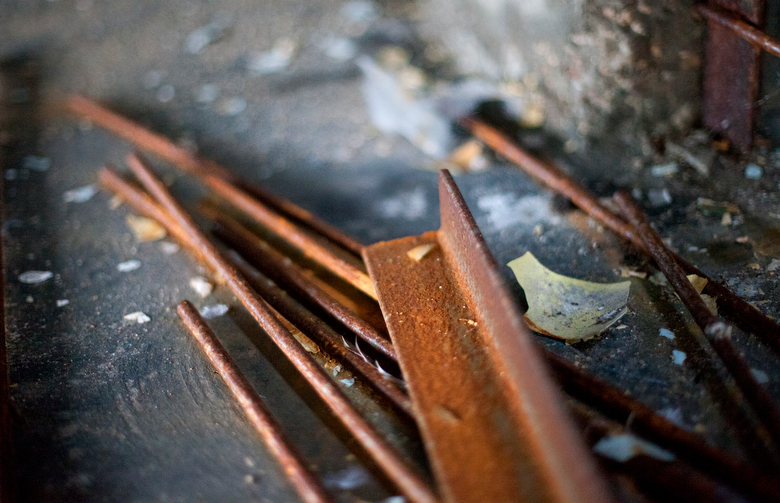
193, 164
306, 484
492, 420
744, 30
381, 452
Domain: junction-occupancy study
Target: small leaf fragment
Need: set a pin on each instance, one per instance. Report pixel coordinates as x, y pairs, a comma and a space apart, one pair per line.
568, 308
418, 252
145, 229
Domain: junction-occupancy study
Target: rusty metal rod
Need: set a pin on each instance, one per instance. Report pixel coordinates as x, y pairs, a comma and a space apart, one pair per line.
196, 165
8, 490
309, 324
260, 254
741, 28
615, 404
716, 331
323, 335
306, 484
292, 234
381, 452
730, 305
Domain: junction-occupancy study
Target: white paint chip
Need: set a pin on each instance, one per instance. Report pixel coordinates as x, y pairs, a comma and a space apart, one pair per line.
621, 448
209, 312
169, 248
201, 286
773, 265
138, 316
665, 332
130, 265
35, 277
753, 171
62, 302
678, 357
347, 382
80, 195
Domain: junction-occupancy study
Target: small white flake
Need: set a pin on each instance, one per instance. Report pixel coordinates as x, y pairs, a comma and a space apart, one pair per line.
169, 248
62, 302
209, 312
138, 316
80, 195
275, 60
233, 106
348, 478
130, 265
347, 382
659, 197
673, 414
760, 376
29, 299
394, 499
201, 286
665, 332
773, 265
35, 277
753, 171
166, 93
665, 169
207, 93
623, 447
678, 356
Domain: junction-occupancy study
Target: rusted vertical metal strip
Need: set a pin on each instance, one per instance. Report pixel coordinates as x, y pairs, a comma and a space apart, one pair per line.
732, 73
492, 420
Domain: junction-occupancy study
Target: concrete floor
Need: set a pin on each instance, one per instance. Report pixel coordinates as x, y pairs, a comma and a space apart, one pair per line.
114, 411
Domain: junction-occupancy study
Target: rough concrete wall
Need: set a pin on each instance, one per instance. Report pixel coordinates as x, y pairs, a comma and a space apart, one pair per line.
611, 72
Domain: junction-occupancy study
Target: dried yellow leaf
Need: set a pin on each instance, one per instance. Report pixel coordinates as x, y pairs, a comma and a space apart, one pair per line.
698, 282
418, 252
145, 229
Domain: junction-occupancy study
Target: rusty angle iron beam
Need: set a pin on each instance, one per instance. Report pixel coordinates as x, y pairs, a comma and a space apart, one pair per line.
732, 72
492, 421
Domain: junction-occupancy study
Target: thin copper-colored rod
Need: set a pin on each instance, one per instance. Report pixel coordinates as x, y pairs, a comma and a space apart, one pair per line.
740, 28
306, 484
730, 305
716, 331
615, 404
382, 453
295, 236
323, 335
260, 254
193, 164
309, 324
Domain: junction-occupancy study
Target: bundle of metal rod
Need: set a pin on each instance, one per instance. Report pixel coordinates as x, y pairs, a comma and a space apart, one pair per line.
299, 316
287, 273
615, 404
716, 331
730, 305
187, 161
383, 455
306, 484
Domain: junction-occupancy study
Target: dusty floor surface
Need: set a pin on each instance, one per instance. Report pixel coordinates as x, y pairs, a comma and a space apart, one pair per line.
113, 410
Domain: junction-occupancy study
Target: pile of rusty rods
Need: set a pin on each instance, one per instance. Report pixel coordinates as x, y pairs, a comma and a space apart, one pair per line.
577, 383
381, 452
306, 484
315, 328
717, 332
683, 443
730, 305
741, 28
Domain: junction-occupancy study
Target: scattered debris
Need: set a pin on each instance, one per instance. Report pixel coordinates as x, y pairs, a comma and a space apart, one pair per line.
166, 93
35, 277
568, 308
699, 158
145, 229
233, 106
469, 156
36, 163
708, 207
678, 357
130, 265
674, 415
625, 272
658, 197
80, 195
760, 376
201, 286
773, 265
338, 48
667, 169
275, 60
418, 252
726, 220
347, 382
308, 344
207, 93
115, 202
215, 311
623, 447
62, 302
698, 282
665, 332
360, 11
138, 316
753, 171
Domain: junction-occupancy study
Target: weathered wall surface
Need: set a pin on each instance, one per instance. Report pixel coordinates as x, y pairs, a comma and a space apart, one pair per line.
611, 72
